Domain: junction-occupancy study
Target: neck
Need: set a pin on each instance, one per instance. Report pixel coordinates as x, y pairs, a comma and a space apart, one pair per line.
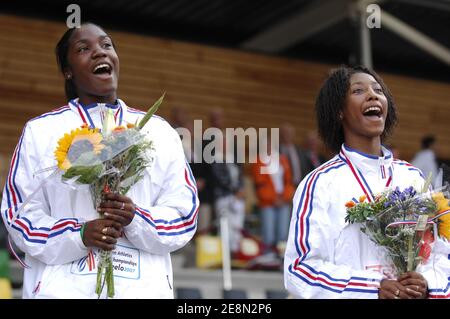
87, 99
371, 146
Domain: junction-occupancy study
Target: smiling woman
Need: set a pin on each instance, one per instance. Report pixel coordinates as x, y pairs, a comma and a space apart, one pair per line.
325, 257
90, 65
61, 232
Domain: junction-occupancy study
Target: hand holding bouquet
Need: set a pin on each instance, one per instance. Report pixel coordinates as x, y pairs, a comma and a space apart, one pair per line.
110, 161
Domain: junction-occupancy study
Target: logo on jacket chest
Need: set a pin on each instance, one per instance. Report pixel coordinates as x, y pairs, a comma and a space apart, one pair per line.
126, 263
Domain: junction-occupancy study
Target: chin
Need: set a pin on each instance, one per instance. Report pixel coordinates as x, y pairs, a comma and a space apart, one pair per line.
107, 92
375, 133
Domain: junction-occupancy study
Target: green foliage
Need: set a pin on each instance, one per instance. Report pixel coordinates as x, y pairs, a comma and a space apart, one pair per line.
150, 112
85, 174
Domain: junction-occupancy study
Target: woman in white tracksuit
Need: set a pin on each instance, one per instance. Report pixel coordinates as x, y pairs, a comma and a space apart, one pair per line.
325, 257
157, 216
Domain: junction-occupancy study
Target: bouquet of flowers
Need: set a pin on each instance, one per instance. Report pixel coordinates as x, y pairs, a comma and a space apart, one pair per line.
405, 222
110, 160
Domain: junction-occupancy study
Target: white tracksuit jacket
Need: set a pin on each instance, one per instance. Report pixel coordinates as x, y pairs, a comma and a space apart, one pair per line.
48, 230
325, 258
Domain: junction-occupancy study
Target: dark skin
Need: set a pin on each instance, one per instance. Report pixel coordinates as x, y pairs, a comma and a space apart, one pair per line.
364, 133
89, 47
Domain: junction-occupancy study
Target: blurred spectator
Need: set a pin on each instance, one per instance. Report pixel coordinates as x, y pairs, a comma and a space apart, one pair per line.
228, 190
274, 192
292, 152
178, 117
425, 160
217, 118
203, 175
312, 159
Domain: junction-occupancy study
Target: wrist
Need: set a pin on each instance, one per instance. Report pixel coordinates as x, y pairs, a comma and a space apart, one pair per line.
82, 233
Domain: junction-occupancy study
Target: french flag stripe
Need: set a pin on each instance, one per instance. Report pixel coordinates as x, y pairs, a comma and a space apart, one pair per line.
12, 193
302, 223
316, 281
186, 223
440, 293
41, 234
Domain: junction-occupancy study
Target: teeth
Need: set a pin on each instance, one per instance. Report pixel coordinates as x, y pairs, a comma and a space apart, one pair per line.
373, 108
103, 65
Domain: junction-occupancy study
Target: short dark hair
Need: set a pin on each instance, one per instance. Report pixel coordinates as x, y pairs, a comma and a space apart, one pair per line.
428, 141
61, 50
331, 100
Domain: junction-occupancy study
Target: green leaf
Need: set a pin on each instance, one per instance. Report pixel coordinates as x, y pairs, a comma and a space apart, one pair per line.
150, 112
85, 174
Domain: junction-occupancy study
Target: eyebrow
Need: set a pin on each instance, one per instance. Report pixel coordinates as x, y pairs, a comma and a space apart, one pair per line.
361, 83
102, 37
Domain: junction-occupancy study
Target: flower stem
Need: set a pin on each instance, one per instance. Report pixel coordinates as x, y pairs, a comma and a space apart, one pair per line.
411, 257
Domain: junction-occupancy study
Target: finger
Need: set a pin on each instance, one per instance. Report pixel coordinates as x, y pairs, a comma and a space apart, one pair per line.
404, 276
118, 197
106, 239
119, 212
110, 204
421, 284
397, 290
414, 293
111, 231
422, 290
114, 224
414, 282
117, 217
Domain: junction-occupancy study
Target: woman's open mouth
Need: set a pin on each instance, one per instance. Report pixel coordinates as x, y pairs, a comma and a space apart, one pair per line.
373, 112
102, 69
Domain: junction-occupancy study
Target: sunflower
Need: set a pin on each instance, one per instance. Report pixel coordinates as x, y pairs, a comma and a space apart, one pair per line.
79, 141
442, 204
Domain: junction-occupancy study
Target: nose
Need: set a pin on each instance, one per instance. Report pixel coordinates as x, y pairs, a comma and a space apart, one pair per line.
98, 51
371, 94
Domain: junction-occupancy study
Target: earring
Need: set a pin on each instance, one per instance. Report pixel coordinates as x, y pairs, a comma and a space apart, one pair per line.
68, 76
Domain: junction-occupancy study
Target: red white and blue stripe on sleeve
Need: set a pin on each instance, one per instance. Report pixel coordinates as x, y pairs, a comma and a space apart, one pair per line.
180, 225
42, 234
409, 166
14, 198
300, 268
440, 293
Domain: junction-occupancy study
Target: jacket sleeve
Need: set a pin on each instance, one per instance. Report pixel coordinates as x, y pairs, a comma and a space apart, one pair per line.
35, 231
437, 271
309, 268
172, 220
